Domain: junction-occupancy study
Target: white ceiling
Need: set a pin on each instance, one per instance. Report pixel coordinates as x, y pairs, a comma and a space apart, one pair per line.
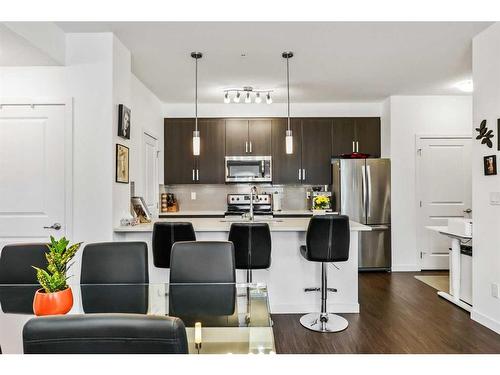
334, 61
17, 51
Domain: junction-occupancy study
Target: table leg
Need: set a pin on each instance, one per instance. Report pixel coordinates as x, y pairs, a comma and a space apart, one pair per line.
455, 269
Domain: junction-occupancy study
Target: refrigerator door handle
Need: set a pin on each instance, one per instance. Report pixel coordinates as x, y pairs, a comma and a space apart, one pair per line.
369, 190
363, 190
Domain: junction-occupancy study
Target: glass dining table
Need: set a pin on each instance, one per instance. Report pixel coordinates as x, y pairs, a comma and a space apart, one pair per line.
235, 318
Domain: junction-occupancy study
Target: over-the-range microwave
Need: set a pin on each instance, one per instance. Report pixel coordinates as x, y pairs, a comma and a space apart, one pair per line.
248, 169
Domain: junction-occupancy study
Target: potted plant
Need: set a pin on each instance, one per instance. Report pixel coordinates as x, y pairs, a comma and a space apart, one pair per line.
320, 204
55, 297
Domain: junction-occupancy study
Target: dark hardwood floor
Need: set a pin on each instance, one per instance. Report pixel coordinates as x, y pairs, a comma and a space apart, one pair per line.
398, 314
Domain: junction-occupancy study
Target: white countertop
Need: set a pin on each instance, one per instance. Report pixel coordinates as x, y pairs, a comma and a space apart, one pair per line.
193, 213
444, 230
285, 224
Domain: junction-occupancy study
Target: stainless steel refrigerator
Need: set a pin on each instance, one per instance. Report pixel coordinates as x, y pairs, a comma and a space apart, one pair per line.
362, 190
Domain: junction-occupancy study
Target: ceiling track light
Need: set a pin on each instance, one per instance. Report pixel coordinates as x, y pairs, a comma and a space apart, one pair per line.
247, 92
196, 132
288, 135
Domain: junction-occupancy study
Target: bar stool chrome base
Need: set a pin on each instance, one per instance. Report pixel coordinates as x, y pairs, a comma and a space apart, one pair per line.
329, 323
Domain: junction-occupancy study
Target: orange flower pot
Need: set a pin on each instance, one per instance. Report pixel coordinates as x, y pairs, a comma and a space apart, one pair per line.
57, 303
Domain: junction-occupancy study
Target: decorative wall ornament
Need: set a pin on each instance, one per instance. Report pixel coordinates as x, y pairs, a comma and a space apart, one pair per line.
490, 165
485, 134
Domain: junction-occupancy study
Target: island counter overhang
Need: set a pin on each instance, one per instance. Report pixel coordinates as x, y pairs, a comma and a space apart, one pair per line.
289, 273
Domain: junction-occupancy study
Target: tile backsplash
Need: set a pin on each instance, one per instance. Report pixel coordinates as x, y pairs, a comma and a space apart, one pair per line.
213, 197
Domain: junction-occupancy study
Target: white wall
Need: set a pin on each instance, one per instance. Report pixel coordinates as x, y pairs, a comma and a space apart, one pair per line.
33, 82
385, 131
486, 218
276, 109
411, 116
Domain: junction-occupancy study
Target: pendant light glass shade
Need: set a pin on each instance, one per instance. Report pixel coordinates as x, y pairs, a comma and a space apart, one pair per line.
289, 142
196, 142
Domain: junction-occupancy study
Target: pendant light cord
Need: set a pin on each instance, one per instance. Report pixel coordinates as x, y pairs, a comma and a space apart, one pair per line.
196, 95
288, 88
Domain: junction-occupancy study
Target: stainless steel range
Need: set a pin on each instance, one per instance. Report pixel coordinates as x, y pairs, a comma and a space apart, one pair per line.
239, 204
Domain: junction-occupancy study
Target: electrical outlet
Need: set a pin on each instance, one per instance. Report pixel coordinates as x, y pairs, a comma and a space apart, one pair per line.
495, 290
193, 195
495, 198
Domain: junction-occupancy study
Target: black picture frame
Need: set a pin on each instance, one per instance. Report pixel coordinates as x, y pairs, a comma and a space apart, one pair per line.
490, 165
498, 134
124, 123
122, 164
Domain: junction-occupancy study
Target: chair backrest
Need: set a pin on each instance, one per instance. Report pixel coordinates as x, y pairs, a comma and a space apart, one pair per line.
105, 334
252, 245
328, 238
16, 261
165, 234
115, 263
202, 262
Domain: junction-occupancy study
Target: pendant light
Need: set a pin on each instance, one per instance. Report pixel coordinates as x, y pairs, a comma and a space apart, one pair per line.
196, 132
288, 137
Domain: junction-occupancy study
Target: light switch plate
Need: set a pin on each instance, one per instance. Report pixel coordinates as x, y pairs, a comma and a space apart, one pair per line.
495, 198
193, 195
494, 290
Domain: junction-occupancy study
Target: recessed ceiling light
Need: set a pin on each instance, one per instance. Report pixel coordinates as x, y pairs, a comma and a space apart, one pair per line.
465, 86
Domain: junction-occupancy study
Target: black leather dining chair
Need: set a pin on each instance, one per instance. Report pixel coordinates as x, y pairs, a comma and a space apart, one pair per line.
16, 263
327, 240
165, 234
105, 334
202, 277
114, 277
252, 246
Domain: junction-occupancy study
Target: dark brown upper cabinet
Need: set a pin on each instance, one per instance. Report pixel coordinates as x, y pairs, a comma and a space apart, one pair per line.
316, 151
248, 137
356, 134
210, 162
179, 160
368, 135
287, 168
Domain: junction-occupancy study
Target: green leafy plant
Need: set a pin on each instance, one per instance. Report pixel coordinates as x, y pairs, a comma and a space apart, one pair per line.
54, 278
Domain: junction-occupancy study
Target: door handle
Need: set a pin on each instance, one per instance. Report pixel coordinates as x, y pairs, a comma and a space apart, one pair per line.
55, 226
193, 175
250, 146
246, 146
300, 174
369, 190
363, 189
197, 175
357, 146
467, 211
353, 146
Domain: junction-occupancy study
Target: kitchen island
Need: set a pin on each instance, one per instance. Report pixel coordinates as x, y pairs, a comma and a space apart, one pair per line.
289, 273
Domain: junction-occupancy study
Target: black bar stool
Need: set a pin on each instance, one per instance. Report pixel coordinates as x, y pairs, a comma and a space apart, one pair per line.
165, 234
327, 240
252, 246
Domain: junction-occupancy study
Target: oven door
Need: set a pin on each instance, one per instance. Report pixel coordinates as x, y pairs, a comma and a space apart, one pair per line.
248, 169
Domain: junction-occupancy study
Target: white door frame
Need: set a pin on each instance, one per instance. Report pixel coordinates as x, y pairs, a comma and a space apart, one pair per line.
68, 146
418, 193
148, 133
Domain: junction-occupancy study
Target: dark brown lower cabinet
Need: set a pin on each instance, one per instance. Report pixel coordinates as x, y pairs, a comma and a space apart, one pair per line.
210, 167
179, 161
316, 151
286, 166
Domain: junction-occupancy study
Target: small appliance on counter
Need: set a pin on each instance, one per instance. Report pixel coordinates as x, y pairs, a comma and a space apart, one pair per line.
276, 201
239, 204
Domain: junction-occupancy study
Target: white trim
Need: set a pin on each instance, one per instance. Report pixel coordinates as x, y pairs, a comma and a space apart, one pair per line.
347, 308
157, 184
418, 146
486, 321
68, 146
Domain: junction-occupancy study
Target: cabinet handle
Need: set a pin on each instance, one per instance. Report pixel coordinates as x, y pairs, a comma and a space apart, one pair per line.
300, 174
250, 147
303, 174
357, 146
246, 146
197, 175
353, 146
193, 175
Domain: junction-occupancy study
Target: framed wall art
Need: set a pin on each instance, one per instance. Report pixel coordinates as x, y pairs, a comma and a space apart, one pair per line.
122, 164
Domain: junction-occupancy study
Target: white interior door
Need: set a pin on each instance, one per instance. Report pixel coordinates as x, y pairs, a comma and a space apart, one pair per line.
32, 172
443, 191
150, 168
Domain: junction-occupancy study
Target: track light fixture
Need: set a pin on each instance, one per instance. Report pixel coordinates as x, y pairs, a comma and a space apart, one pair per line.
248, 93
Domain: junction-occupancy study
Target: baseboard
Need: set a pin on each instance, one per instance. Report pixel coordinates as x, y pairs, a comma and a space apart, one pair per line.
348, 308
405, 268
486, 321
